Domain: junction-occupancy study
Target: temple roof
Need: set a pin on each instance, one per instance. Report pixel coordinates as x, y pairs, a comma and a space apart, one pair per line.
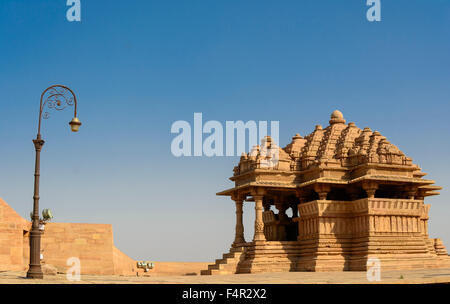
338, 147
346, 145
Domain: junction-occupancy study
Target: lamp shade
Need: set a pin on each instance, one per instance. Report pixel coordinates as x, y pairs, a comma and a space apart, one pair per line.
75, 124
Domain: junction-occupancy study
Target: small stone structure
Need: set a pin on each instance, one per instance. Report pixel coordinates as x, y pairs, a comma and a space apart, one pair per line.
92, 244
353, 196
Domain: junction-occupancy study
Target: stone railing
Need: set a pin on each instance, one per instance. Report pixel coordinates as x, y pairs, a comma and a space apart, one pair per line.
389, 206
367, 215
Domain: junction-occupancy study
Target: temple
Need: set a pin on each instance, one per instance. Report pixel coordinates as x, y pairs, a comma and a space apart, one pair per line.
353, 196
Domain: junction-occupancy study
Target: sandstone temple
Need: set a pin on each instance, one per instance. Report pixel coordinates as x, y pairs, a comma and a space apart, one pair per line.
353, 195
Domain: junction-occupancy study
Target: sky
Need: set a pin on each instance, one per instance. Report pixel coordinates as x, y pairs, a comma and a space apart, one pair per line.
139, 66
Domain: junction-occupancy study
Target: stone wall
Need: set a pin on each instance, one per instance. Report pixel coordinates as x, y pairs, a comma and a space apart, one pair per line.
12, 227
123, 264
344, 235
91, 243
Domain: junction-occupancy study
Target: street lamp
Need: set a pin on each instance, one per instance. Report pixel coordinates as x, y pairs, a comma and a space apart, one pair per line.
57, 97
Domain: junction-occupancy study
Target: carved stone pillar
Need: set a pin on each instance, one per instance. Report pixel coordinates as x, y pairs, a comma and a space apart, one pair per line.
322, 190
411, 192
302, 196
259, 224
322, 195
282, 206
371, 193
239, 237
420, 195
281, 210
370, 188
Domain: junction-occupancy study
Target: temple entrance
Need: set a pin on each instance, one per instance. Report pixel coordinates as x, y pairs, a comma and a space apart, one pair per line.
278, 217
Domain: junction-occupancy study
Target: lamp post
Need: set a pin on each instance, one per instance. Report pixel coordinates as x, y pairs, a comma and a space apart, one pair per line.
56, 97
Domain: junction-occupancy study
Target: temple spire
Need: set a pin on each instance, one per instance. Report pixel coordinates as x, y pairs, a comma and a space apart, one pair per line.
337, 117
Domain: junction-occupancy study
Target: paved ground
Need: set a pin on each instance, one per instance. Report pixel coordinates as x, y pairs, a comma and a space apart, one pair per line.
390, 277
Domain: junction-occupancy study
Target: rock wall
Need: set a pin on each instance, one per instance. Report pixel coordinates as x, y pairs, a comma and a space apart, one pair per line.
92, 244
12, 227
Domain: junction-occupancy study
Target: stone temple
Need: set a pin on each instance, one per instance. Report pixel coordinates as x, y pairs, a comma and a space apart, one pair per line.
354, 197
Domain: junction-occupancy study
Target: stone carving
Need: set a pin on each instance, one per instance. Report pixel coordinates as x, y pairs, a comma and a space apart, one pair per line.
356, 196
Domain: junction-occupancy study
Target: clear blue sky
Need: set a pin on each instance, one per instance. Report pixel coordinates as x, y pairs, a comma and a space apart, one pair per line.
138, 66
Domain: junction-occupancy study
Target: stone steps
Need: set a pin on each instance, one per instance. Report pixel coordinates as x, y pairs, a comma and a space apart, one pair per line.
439, 247
227, 264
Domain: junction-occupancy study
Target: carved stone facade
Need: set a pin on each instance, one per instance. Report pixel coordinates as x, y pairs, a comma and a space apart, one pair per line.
352, 194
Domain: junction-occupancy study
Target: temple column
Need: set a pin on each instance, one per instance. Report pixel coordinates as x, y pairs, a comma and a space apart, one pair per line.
420, 195
259, 224
322, 195
266, 206
302, 197
322, 190
282, 217
239, 236
370, 188
281, 209
411, 192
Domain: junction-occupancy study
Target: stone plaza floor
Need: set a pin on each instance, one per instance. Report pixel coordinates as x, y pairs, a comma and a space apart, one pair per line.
388, 277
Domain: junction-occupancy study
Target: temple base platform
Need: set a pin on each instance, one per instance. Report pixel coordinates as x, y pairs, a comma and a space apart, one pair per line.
291, 256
